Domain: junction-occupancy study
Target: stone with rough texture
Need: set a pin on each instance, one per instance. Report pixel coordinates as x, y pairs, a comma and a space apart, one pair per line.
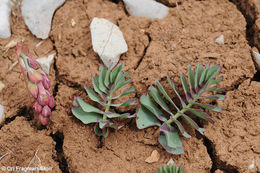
146, 8
155, 156
220, 39
257, 59
45, 63
38, 15
107, 40
5, 9
1, 114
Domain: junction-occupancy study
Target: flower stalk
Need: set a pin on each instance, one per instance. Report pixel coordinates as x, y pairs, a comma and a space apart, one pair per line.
38, 85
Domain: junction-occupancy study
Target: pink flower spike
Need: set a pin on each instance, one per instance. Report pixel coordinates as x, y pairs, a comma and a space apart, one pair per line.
46, 111
33, 63
33, 89
23, 66
37, 108
51, 102
43, 96
43, 120
34, 76
46, 82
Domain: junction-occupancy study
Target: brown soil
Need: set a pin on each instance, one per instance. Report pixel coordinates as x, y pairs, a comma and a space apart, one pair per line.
156, 49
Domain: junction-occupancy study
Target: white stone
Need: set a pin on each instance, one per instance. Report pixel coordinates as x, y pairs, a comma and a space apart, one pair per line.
155, 156
107, 41
170, 162
146, 8
220, 39
45, 63
257, 59
5, 9
1, 114
252, 165
38, 15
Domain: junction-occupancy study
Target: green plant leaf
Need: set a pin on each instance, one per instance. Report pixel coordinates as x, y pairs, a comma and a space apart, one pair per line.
106, 123
193, 124
115, 115
176, 92
107, 78
191, 75
145, 118
125, 92
213, 97
160, 87
125, 103
185, 87
101, 132
87, 107
101, 79
162, 140
149, 104
201, 114
209, 107
120, 84
180, 127
86, 117
199, 71
115, 72
172, 168
213, 71
92, 95
172, 137
121, 76
212, 89
154, 93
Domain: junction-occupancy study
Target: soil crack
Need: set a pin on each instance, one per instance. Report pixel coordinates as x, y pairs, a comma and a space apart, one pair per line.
145, 50
216, 162
58, 137
23, 111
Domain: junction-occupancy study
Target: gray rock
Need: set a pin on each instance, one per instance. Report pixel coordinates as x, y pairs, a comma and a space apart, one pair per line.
146, 8
5, 9
2, 118
220, 39
257, 59
38, 15
108, 41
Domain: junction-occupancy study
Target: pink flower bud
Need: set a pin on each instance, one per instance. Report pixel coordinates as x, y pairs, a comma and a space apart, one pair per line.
33, 89
37, 108
46, 111
43, 96
51, 102
23, 66
43, 120
34, 76
46, 82
34, 64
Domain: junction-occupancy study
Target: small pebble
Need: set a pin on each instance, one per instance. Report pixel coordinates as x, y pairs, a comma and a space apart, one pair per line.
155, 156
46, 63
1, 114
220, 39
257, 59
146, 8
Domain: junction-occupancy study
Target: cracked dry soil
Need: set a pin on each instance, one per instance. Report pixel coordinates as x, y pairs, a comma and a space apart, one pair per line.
156, 49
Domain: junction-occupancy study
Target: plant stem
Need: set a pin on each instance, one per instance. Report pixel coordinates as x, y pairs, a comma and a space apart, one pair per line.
107, 108
183, 110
